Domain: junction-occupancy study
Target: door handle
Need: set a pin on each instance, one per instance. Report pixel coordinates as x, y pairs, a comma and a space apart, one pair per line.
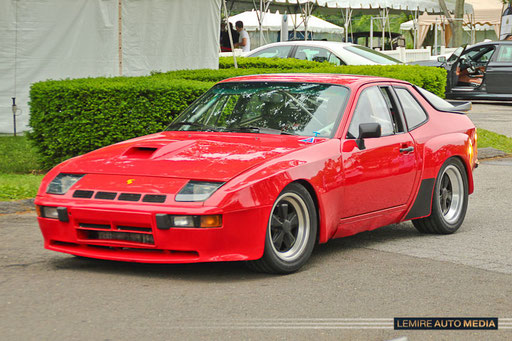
407, 150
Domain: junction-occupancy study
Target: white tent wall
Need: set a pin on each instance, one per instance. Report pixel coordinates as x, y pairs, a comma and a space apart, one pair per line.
165, 35
57, 39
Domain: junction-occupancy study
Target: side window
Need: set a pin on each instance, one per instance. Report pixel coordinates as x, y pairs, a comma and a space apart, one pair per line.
335, 60
414, 113
484, 58
317, 54
505, 54
274, 52
372, 107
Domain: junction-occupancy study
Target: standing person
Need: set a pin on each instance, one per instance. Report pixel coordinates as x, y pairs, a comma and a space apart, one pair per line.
225, 45
244, 42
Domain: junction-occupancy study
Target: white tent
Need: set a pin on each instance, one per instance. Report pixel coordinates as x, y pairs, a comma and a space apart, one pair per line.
272, 24
347, 8
56, 39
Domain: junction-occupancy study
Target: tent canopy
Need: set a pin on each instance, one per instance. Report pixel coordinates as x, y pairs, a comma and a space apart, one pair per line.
487, 12
486, 16
273, 22
296, 6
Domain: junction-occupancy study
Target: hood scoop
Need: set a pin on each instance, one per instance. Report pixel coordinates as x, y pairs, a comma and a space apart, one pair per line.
140, 152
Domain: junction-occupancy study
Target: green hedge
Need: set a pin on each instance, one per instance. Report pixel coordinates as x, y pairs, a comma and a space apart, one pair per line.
72, 117
267, 63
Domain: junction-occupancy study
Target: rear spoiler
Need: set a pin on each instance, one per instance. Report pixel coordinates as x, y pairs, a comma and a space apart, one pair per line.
461, 106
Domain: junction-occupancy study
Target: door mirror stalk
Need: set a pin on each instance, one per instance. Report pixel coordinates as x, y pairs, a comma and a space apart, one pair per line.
367, 130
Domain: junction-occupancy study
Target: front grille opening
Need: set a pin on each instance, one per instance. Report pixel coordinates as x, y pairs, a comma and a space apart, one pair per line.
59, 243
120, 236
153, 198
129, 197
105, 195
83, 194
134, 228
95, 226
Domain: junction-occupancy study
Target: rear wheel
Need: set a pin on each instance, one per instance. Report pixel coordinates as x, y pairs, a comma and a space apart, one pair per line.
291, 232
449, 202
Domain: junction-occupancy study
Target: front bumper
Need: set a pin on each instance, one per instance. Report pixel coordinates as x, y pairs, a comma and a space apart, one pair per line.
128, 232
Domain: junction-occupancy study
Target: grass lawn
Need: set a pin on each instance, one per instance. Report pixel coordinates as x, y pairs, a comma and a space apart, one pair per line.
19, 186
18, 164
17, 155
488, 138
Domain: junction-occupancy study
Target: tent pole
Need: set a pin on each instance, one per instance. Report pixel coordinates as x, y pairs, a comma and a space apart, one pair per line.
371, 32
383, 29
120, 36
435, 39
229, 33
416, 27
260, 19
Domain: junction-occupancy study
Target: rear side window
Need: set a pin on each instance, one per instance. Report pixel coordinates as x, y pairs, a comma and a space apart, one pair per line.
317, 54
413, 112
274, 52
505, 54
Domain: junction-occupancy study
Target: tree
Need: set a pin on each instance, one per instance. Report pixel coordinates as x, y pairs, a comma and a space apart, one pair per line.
455, 22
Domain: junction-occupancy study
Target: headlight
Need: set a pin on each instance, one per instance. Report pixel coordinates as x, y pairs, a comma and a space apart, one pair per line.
62, 183
197, 190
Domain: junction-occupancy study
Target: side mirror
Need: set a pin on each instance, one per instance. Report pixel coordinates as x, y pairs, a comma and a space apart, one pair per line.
367, 130
441, 59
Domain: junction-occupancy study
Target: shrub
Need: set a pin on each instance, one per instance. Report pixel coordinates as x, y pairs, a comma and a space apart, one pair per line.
267, 63
72, 117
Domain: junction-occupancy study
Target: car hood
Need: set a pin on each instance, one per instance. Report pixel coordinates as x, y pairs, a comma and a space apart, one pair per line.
189, 155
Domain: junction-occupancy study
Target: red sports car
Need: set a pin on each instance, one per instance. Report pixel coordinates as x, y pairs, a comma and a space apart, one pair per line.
261, 168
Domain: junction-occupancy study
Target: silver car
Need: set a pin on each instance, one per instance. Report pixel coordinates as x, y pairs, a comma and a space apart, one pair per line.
324, 51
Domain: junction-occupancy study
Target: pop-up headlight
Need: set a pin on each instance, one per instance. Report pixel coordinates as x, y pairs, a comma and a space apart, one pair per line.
197, 190
62, 183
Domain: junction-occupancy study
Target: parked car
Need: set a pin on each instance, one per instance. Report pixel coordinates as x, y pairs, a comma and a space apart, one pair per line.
324, 51
263, 167
441, 60
482, 71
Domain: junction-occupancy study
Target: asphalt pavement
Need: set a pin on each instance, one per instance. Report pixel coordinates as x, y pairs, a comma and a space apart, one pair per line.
350, 290
493, 116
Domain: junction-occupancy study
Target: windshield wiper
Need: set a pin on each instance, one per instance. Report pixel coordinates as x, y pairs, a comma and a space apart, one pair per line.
195, 124
254, 129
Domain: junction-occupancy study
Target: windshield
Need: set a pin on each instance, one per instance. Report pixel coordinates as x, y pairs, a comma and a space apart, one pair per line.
266, 107
436, 101
372, 55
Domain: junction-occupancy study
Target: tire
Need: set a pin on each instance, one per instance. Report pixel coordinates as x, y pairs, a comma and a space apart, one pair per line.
291, 232
449, 202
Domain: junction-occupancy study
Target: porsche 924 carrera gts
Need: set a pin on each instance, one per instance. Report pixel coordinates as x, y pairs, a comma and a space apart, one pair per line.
261, 168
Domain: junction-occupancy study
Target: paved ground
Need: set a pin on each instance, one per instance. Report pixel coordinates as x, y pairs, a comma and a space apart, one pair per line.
390, 272
351, 289
494, 116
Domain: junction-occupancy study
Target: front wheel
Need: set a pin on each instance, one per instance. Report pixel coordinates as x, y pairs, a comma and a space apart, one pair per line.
449, 202
291, 232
